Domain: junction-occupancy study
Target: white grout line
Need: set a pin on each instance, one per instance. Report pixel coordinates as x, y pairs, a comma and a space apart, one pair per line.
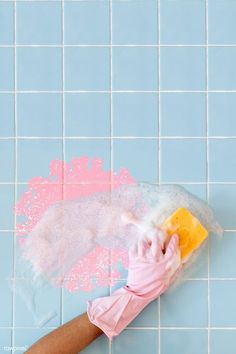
113, 91
120, 45
208, 188
107, 137
159, 148
177, 137
63, 139
15, 185
111, 133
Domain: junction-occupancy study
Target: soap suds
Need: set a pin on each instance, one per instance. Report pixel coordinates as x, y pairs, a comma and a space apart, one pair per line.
77, 242
82, 177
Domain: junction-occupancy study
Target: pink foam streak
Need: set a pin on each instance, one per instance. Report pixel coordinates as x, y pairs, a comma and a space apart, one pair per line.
68, 181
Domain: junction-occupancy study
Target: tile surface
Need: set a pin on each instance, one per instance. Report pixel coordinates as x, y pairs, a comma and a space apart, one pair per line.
185, 306
128, 61
135, 114
225, 12
183, 68
39, 114
86, 22
223, 305
189, 20
147, 86
184, 341
183, 160
222, 110
6, 69
222, 341
39, 68
130, 341
190, 114
222, 70
42, 18
6, 23
87, 114
135, 22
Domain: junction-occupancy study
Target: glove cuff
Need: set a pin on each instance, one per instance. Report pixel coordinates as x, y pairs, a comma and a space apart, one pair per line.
113, 313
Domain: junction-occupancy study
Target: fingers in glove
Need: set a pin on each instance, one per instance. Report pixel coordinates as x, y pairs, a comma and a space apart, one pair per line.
172, 247
143, 247
133, 251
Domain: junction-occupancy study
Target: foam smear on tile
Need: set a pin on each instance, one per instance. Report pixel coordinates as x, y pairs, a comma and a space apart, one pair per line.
72, 232
69, 230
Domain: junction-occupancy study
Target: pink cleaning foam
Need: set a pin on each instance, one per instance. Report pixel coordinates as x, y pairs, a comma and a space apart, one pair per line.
71, 181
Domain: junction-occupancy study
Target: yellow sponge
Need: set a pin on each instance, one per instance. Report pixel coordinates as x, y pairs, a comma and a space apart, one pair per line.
190, 231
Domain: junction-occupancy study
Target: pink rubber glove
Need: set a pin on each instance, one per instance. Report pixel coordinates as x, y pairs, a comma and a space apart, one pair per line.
150, 273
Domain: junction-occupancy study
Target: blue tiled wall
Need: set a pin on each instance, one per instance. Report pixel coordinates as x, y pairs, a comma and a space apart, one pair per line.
145, 84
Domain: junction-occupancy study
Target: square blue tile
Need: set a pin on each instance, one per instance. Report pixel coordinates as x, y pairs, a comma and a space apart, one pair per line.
46, 304
136, 342
42, 18
183, 160
223, 305
87, 114
6, 22
92, 148
7, 160
87, 68
7, 125
222, 68
198, 190
6, 207
222, 256
184, 341
34, 157
135, 114
134, 22
222, 199
183, 68
222, 112
135, 68
139, 156
149, 315
6, 69
87, 22
183, 114
75, 303
185, 305
5, 340
99, 346
5, 303
222, 160
222, 341
182, 22
223, 12
199, 267
24, 338
39, 68
39, 114
6, 254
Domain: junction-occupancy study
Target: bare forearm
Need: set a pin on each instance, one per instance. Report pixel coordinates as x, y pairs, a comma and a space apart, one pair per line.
70, 338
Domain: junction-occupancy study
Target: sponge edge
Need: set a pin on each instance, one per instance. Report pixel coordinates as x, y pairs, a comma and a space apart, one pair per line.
190, 231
